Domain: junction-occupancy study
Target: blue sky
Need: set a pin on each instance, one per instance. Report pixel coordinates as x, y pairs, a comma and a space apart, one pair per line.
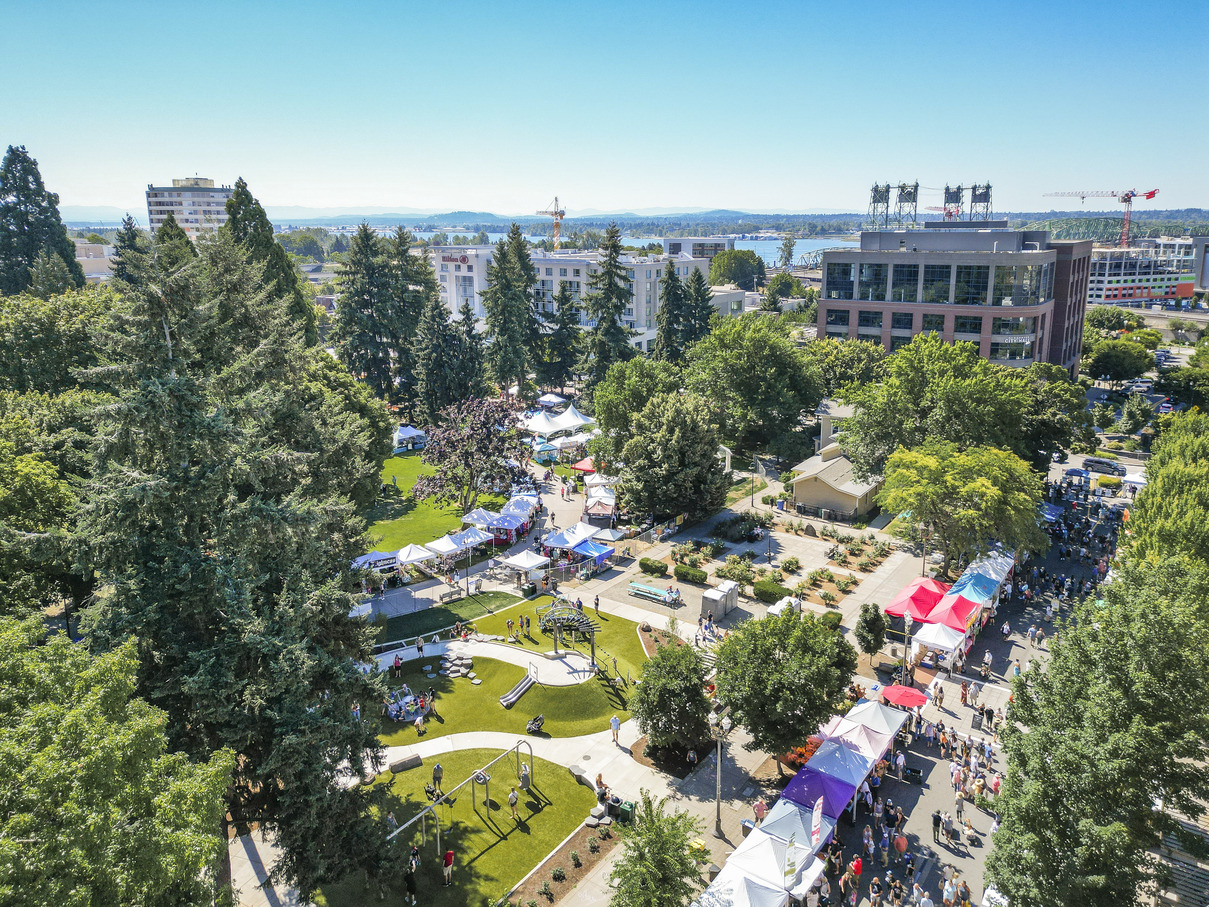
614, 106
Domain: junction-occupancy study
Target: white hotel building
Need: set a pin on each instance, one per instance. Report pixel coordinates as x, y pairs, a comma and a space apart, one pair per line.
462, 276
195, 202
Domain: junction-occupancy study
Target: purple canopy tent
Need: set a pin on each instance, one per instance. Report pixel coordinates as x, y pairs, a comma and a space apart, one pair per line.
809, 784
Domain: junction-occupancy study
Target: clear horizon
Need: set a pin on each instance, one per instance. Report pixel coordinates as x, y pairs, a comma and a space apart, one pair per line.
771, 107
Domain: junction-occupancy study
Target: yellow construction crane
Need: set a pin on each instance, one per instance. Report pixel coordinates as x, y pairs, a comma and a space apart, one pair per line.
558, 214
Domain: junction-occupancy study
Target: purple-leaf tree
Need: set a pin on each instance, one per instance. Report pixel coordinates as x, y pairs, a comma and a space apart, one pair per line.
476, 447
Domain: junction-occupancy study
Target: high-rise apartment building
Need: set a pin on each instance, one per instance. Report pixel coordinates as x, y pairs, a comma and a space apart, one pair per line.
1015, 293
462, 277
698, 246
197, 204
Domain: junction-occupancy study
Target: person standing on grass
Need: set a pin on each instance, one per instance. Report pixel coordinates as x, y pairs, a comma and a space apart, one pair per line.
512, 800
409, 879
447, 867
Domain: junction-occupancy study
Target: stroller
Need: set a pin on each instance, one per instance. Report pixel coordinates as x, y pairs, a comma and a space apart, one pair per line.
430, 792
535, 724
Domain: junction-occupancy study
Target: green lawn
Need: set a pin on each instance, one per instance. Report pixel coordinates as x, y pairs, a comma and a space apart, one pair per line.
398, 519
584, 708
432, 620
741, 488
493, 852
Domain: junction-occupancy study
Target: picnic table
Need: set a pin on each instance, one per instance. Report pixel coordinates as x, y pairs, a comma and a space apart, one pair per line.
653, 593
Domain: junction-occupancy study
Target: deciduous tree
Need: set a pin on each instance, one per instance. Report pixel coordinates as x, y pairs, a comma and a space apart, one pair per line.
1118, 360
471, 447
870, 629
671, 462
655, 868
670, 705
785, 256
97, 807
782, 677
741, 267
29, 223
843, 363
622, 395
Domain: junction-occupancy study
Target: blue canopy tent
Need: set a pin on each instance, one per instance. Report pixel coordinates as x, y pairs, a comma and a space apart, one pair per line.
1051, 512
976, 587
599, 553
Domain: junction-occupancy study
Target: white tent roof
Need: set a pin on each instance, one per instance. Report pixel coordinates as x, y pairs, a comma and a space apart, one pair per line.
610, 535
1134, 478
879, 717
996, 565
472, 537
479, 517
597, 479
776, 862
526, 560
551, 399
602, 494
521, 503
541, 424
414, 554
445, 545
571, 419
733, 888
407, 433
507, 521
569, 538
938, 636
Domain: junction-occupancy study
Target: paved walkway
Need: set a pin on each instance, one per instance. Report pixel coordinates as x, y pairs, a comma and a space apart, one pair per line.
564, 669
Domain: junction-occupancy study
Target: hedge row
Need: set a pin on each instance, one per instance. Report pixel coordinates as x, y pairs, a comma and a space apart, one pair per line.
653, 567
690, 574
768, 591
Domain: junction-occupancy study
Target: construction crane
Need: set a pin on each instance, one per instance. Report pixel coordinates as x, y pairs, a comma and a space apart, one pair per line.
951, 212
558, 214
1124, 197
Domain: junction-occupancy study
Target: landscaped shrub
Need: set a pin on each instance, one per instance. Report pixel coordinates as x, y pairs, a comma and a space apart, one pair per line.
716, 547
682, 551
593, 846
828, 533
767, 499
865, 564
546, 892
828, 597
791, 564
736, 568
695, 559
845, 538
575, 860
653, 567
859, 524
761, 572
1109, 482
770, 592
856, 549
845, 583
776, 576
841, 558
814, 577
831, 619
558, 874
688, 574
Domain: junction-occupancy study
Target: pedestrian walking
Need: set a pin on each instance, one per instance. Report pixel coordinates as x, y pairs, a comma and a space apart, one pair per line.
959, 803
596, 605
936, 825
447, 867
409, 880
900, 762
615, 724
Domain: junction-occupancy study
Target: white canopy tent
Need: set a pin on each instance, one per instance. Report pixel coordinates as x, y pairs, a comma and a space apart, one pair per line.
939, 637
523, 504
413, 554
375, 560
878, 717
472, 537
446, 545
507, 521
551, 399
542, 424
406, 433
526, 561
793, 867
597, 479
610, 535
602, 493
1136, 479
479, 517
733, 888
996, 565
570, 419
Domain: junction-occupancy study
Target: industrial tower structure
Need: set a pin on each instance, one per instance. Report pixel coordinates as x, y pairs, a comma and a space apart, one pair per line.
1124, 197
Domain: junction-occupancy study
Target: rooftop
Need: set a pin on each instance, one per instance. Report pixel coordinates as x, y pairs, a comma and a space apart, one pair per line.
832, 467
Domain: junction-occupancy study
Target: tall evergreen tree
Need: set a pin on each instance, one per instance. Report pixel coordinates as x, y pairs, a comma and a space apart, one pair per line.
250, 227
669, 342
173, 248
562, 344
508, 307
518, 248
29, 223
608, 341
130, 241
367, 327
468, 374
49, 276
413, 282
698, 308
438, 352
226, 542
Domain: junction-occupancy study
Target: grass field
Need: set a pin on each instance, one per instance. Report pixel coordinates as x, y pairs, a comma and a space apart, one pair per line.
430, 620
398, 519
741, 488
492, 851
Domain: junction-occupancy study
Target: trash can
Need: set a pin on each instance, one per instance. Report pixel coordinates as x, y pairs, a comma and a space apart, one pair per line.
615, 807
627, 812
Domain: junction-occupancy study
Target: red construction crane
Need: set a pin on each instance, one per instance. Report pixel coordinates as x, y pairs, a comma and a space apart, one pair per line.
558, 214
1124, 197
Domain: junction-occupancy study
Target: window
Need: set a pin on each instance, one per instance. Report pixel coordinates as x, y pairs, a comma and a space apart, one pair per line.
840, 280
967, 324
905, 286
457, 267
1014, 326
1007, 351
936, 283
869, 320
444, 267
934, 323
469, 268
972, 284
835, 317
564, 272
549, 272
902, 321
897, 343
873, 281
837, 333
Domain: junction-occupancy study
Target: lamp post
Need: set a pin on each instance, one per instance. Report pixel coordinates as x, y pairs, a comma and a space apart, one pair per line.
755, 467
719, 727
908, 623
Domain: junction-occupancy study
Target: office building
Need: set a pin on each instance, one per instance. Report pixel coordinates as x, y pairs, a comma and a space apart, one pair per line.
698, 246
1017, 294
462, 277
197, 204
1162, 271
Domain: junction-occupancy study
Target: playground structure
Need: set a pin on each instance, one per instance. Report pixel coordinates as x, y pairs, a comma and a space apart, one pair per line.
478, 777
561, 618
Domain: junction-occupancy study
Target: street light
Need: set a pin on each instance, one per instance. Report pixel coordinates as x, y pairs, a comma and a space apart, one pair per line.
719, 726
908, 623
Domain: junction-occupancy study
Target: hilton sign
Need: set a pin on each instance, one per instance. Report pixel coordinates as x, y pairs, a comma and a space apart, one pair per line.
459, 259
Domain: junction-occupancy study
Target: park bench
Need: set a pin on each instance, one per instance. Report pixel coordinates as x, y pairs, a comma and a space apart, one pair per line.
648, 592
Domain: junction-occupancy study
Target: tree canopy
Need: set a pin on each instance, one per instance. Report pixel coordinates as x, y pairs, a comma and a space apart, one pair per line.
608, 340
30, 226
966, 498
699, 308
471, 448
741, 267
671, 462
1118, 360
782, 677
511, 321
655, 868
670, 704
846, 362
670, 319
557, 366
622, 395
97, 809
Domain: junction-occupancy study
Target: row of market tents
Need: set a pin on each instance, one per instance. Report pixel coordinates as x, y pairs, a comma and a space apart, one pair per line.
779, 858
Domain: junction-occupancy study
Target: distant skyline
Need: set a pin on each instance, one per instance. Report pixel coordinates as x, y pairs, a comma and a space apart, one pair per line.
613, 107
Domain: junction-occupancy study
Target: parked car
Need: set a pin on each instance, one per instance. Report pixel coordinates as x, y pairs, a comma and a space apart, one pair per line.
1099, 464
1165, 407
